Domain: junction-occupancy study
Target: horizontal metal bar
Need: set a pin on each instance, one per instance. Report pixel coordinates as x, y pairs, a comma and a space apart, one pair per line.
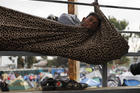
87, 4
24, 53
19, 53
133, 54
135, 32
65, 2
120, 7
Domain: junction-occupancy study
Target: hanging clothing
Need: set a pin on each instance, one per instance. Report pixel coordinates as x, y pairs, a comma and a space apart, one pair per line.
69, 19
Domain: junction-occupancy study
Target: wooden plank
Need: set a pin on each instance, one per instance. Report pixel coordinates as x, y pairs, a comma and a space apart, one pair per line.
72, 69
74, 65
72, 7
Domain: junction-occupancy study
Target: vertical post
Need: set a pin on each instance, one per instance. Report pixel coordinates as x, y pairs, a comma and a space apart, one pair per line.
104, 75
25, 62
104, 70
74, 65
0, 60
74, 69
96, 1
72, 9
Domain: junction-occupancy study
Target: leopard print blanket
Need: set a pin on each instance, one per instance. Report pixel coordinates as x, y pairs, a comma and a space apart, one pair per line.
24, 32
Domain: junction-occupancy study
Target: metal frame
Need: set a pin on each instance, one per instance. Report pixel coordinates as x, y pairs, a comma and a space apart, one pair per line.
104, 75
24, 53
134, 32
87, 4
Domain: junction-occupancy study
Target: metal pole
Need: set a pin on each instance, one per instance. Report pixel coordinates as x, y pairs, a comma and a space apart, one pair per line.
96, 1
25, 62
104, 70
87, 4
134, 32
65, 2
133, 54
120, 7
104, 75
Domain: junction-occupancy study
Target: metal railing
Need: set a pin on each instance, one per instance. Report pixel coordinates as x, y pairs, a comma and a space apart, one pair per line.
87, 4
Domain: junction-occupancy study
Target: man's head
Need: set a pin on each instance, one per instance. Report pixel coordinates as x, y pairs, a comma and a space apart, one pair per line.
92, 22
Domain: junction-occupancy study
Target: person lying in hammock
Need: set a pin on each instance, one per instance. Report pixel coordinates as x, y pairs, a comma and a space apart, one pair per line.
91, 22
23, 32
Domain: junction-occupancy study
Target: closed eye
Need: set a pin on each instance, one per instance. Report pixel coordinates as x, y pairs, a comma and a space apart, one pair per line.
94, 22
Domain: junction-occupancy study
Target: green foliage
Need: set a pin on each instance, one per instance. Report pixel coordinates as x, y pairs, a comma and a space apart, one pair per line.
44, 57
119, 24
20, 62
137, 34
123, 61
62, 61
30, 60
59, 61
52, 62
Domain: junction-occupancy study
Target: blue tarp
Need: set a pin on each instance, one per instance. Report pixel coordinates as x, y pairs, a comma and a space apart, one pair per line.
132, 82
57, 70
90, 82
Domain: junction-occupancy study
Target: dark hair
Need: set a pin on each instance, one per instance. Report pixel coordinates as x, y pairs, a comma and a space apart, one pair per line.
52, 17
97, 16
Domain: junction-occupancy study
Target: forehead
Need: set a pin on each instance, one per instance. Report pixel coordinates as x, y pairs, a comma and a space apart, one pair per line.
93, 18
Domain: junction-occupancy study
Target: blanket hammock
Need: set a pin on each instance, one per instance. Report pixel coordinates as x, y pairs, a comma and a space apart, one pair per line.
24, 32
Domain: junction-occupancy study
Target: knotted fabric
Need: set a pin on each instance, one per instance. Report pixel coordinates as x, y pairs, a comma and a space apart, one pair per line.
24, 32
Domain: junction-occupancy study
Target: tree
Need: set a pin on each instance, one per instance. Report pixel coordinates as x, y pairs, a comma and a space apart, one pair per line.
138, 34
62, 61
44, 57
30, 60
52, 62
119, 24
59, 61
20, 62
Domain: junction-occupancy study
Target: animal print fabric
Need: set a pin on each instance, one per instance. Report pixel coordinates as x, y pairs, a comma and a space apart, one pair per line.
24, 32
